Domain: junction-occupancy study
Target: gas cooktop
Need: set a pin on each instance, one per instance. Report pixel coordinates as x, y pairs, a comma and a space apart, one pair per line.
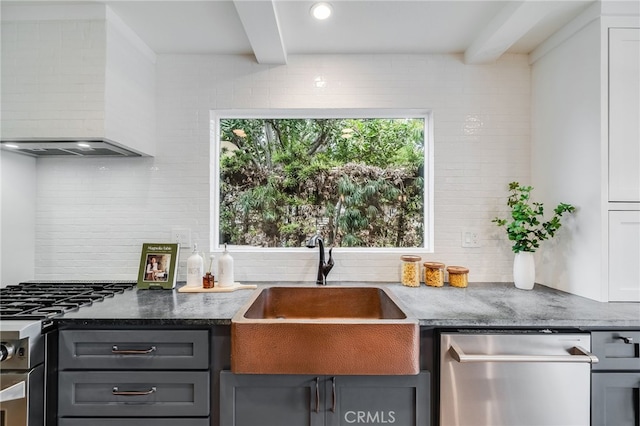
44, 299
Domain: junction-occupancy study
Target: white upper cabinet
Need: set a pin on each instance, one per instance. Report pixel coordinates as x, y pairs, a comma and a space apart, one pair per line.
624, 256
586, 105
624, 114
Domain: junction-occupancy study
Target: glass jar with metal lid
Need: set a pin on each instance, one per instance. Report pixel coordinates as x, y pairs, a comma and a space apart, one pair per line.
410, 270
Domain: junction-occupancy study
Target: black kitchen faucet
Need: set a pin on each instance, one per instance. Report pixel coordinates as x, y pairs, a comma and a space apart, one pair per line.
323, 268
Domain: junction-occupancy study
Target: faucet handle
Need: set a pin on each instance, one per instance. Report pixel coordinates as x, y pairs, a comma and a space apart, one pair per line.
327, 268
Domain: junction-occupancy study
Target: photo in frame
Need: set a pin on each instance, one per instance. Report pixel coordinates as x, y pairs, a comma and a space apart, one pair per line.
158, 266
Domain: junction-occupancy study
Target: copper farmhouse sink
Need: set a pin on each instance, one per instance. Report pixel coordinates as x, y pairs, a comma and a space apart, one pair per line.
324, 330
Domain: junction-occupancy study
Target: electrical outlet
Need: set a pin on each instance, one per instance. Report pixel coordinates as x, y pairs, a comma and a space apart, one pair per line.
181, 236
470, 238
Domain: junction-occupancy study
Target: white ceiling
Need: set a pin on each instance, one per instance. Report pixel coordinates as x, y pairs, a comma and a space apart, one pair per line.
274, 29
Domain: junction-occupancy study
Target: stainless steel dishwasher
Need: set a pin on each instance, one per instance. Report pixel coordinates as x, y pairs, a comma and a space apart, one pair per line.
515, 378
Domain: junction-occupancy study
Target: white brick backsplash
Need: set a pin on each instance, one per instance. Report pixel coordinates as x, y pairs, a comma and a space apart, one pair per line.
94, 214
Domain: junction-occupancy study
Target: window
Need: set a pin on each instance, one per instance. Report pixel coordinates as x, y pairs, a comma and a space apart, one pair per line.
362, 179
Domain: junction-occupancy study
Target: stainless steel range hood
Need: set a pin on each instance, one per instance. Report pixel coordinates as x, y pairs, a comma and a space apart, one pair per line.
68, 148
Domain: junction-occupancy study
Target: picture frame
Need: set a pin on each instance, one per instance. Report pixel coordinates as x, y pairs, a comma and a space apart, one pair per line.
158, 266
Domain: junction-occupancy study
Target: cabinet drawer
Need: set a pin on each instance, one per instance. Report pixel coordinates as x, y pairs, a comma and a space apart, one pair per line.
133, 393
134, 349
134, 422
616, 350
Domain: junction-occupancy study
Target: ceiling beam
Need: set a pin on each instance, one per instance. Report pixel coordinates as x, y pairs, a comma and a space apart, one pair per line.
260, 23
513, 21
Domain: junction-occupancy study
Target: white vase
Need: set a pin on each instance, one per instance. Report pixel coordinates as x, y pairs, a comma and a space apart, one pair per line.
524, 270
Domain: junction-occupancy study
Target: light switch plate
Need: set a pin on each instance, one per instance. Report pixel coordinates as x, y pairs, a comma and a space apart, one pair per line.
470, 238
181, 236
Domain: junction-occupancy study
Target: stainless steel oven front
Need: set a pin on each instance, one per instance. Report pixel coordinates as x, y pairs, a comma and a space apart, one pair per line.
21, 374
22, 398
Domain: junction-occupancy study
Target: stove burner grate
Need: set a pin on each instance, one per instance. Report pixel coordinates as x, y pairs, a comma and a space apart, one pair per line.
44, 299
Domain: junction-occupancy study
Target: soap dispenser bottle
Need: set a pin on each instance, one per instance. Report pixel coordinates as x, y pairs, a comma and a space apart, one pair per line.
195, 268
225, 269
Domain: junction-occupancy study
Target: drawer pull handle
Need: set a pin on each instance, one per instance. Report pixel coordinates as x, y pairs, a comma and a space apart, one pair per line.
627, 340
317, 383
118, 392
116, 350
333, 394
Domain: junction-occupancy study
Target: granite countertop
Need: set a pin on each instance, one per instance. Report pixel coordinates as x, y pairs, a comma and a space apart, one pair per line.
479, 305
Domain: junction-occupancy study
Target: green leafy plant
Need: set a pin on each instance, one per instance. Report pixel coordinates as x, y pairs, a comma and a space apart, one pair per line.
527, 228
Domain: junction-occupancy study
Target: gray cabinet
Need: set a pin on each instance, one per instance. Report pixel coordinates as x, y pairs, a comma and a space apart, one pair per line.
92, 421
615, 399
270, 400
616, 350
277, 400
615, 380
401, 400
133, 376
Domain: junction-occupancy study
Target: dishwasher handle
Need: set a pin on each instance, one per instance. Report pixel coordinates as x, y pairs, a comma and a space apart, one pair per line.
575, 354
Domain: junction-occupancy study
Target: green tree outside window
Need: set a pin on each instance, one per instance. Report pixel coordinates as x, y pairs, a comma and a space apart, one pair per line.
360, 182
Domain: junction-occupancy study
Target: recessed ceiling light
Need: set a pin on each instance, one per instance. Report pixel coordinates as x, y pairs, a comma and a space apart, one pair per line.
84, 145
321, 10
11, 145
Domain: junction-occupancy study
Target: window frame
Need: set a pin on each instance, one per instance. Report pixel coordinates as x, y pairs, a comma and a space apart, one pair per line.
327, 113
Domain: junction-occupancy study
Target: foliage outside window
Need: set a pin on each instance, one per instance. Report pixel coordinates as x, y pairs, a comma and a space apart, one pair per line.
357, 181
